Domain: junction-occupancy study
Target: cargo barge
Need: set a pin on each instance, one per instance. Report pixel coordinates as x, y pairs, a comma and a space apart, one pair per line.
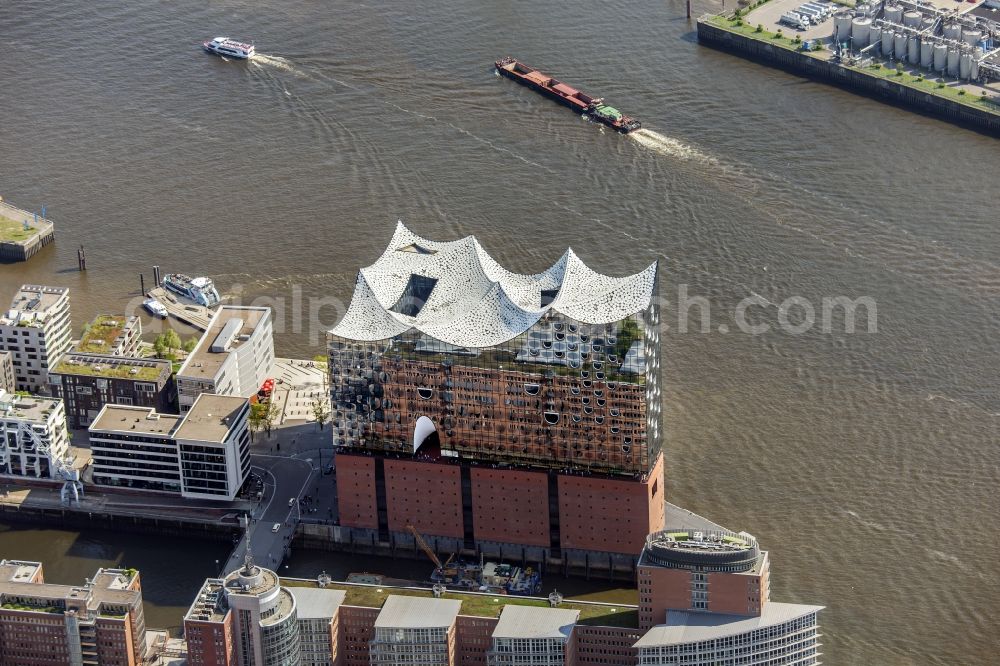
592, 107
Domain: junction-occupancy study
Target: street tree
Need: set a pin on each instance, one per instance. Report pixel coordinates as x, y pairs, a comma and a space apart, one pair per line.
321, 409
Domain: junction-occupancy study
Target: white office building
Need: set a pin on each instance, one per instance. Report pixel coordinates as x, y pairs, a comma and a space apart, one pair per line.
533, 636
36, 330
781, 634
234, 356
415, 631
134, 447
317, 613
34, 442
213, 441
203, 454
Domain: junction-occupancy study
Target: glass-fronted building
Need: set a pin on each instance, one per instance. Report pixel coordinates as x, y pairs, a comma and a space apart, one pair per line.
446, 357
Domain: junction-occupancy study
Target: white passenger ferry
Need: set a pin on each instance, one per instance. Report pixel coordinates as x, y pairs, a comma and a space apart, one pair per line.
230, 47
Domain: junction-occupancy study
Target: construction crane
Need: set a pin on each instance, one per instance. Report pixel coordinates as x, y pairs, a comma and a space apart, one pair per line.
423, 546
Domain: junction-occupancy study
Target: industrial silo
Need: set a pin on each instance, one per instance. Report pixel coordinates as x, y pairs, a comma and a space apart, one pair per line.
913, 49
972, 36
940, 57
911, 18
887, 41
893, 14
841, 26
953, 31
974, 70
859, 31
899, 46
875, 37
964, 65
926, 54
952, 61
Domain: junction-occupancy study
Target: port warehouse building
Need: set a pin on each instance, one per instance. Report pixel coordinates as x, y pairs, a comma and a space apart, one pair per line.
516, 416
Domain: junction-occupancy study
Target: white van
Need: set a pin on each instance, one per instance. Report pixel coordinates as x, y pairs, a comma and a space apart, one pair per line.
277, 526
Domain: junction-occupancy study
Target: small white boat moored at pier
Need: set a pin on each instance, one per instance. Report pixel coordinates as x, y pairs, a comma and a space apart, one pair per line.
155, 308
224, 46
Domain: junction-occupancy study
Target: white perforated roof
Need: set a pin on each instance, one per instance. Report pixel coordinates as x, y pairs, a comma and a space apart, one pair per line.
475, 302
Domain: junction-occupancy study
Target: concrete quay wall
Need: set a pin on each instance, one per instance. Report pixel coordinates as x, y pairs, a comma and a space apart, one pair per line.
828, 71
83, 519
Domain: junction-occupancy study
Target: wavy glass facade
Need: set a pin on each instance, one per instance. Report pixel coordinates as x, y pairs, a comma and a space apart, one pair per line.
554, 370
454, 382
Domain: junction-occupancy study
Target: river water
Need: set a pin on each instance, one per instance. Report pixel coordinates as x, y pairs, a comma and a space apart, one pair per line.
866, 463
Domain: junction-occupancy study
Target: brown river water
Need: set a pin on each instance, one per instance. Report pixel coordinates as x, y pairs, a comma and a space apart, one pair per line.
867, 463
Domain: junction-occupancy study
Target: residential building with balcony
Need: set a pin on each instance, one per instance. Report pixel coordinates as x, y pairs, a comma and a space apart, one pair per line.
34, 441
8, 382
87, 382
704, 599
415, 630
100, 623
248, 618
233, 357
498, 412
114, 335
533, 636
36, 329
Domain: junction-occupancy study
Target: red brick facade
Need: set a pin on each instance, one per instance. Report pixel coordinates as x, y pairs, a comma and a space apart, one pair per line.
610, 515
356, 491
508, 503
210, 643
425, 495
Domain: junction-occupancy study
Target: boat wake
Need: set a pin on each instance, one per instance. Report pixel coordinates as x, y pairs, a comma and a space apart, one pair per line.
664, 145
276, 62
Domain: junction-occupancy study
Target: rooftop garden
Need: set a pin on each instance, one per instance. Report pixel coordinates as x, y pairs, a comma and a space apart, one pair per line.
14, 231
99, 335
34, 609
114, 369
482, 605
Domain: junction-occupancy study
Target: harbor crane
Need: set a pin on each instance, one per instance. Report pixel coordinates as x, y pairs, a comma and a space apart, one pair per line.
427, 549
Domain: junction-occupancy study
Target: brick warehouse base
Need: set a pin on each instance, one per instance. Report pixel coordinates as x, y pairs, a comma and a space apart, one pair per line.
581, 522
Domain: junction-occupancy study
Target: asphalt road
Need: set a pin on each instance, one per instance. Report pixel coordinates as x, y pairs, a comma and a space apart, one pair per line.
289, 463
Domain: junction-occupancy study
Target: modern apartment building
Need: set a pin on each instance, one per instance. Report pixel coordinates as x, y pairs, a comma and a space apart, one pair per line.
249, 619
316, 610
99, 623
34, 442
8, 381
203, 454
705, 600
415, 630
533, 636
87, 382
234, 356
36, 329
495, 412
115, 335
